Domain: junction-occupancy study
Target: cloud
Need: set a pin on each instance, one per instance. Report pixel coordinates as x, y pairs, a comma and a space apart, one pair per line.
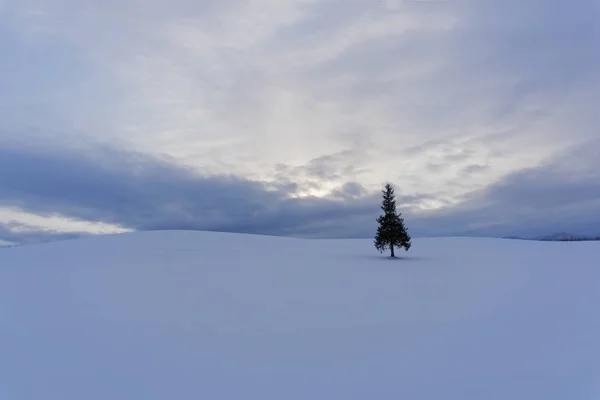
19, 227
11, 237
465, 105
240, 88
474, 169
560, 195
107, 186
139, 192
322, 174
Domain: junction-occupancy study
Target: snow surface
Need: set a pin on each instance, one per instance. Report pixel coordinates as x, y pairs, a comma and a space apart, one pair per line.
196, 315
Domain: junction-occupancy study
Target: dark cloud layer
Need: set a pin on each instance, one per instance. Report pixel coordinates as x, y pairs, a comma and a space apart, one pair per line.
501, 78
144, 193
561, 195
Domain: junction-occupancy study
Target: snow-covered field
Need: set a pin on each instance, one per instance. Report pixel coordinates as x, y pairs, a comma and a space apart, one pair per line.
191, 315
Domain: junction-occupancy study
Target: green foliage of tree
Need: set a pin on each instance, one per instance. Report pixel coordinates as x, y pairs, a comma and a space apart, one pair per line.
391, 231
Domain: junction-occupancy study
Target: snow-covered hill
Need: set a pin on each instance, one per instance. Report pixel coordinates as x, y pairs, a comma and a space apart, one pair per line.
190, 315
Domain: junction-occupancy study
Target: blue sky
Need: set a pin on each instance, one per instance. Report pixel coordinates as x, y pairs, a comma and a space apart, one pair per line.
287, 117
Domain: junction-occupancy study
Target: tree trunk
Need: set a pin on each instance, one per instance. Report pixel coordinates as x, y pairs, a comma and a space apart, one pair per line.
392, 249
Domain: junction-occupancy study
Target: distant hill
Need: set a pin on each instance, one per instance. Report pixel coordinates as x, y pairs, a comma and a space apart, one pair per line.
204, 315
565, 237
559, 237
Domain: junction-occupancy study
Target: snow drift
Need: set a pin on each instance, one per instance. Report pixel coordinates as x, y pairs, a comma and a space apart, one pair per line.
190, 315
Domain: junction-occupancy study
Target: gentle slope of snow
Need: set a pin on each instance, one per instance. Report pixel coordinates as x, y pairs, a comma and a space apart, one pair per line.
190, 315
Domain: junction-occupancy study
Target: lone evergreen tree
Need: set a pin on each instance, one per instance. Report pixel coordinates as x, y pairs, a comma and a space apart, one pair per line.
391, 231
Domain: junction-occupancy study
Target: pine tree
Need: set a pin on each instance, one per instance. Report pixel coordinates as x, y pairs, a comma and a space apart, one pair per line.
391, 231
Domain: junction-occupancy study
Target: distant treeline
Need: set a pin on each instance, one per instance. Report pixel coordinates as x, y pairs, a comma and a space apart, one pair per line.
558, 239
573, 239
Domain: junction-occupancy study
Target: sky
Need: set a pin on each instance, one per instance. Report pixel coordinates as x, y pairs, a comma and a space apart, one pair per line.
287, 117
